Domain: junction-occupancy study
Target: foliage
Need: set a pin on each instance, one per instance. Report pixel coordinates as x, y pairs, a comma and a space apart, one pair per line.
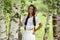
22, 6
58, 7
7, 11
7, 6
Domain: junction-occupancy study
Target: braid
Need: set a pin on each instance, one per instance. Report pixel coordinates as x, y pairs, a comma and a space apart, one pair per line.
34, 22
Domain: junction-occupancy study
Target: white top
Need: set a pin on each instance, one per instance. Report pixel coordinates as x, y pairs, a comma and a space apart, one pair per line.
30, 22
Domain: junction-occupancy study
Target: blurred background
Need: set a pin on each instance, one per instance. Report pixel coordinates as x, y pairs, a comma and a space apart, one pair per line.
13, 11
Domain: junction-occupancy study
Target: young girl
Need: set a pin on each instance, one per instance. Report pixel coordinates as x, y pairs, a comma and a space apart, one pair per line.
29, 22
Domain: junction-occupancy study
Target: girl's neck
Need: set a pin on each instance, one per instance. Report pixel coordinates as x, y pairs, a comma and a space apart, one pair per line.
30, 15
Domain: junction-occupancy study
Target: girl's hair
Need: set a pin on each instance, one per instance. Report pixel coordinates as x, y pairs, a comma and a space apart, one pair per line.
33, 14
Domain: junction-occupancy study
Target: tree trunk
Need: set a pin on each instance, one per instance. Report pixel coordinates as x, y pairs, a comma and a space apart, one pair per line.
49, 3
47, 27
56, 21
54, 25
58, 17
2, 22
14, 29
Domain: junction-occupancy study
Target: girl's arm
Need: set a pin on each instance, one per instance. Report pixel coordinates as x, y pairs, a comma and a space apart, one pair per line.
40, 25
21, 23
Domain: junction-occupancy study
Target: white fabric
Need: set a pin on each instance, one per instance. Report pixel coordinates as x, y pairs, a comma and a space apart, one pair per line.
23, 21
28, 34
30, 22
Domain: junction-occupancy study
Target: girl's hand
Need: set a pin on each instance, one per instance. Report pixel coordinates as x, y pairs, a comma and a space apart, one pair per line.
34, 31
20, 24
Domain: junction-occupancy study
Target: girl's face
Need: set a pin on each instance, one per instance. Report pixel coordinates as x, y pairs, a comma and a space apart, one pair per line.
30, 10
